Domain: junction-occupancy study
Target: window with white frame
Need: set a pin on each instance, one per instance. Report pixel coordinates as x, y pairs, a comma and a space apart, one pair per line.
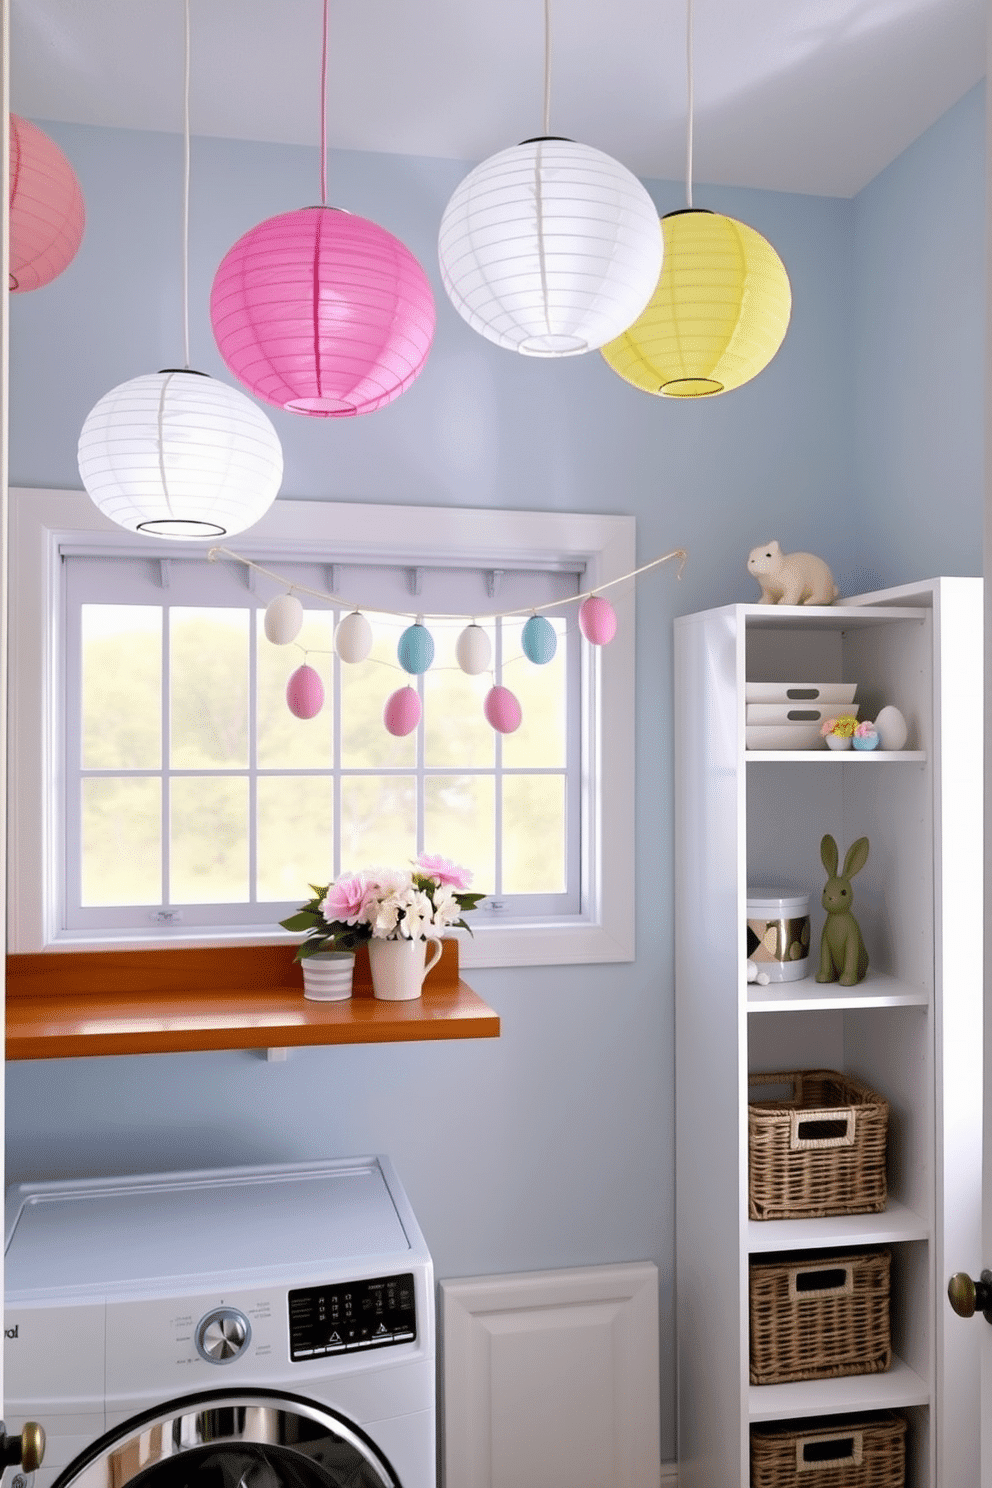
176, 797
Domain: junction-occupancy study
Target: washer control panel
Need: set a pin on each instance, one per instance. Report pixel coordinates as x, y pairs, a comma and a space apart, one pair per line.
342, 1317
222, 1335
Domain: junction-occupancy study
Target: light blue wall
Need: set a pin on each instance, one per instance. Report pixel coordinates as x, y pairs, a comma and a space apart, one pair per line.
552, 1146
919, 256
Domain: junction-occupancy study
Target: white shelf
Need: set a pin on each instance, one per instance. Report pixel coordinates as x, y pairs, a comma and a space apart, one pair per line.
827, 617
896, 1224
910, 1031
833, 757
876, 991
897, 1388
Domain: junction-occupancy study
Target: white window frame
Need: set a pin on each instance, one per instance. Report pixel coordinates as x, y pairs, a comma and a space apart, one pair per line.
41, 521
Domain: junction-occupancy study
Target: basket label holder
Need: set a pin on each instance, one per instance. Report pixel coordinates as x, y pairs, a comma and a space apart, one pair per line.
820, 1280
812, 1129
818, 1453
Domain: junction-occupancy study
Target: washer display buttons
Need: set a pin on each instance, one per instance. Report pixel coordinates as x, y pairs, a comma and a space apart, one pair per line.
345, 1317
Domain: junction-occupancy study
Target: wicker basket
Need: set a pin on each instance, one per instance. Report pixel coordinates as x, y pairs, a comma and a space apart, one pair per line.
818, 1316
863, 1452
818, 1150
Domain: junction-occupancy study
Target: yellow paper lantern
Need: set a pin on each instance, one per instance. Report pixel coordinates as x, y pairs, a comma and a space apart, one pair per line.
718, 316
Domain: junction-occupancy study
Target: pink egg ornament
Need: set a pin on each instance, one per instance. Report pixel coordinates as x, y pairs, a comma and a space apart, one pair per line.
304, 693
402, 712
597, 620
503, 712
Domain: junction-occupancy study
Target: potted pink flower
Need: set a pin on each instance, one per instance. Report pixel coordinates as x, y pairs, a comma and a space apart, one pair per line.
381, 907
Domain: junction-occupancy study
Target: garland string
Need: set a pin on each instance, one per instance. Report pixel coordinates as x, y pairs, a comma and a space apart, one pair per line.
216, 553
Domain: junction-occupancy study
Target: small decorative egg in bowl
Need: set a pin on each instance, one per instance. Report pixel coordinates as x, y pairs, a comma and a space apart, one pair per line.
865, 736
839, 732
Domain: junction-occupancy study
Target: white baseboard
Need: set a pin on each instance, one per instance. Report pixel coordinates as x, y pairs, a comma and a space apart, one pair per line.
669, 1475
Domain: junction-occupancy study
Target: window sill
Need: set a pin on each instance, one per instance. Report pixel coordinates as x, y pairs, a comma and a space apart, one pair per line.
63, 1005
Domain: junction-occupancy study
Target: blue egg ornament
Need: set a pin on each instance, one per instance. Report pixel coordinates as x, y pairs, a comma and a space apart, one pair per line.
539, 640
415, 651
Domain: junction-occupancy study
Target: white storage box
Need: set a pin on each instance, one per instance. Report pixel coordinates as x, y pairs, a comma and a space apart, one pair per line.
800, 692
769, 713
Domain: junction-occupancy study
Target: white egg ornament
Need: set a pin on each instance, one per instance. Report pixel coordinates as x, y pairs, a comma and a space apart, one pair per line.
304, 693
473, 650
891, 728
597, 620
353, 638
283, 619
402, 712
502, 710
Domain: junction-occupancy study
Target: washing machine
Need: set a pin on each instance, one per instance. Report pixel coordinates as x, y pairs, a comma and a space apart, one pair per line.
260, 1327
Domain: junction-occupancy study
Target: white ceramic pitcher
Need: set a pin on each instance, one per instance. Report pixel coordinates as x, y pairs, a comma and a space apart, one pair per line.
399, 967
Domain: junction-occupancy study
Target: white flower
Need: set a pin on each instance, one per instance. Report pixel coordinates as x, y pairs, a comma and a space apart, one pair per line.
385, 916
446, 907
418, 915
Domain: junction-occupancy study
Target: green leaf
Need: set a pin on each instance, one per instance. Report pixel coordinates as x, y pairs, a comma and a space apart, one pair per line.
311, 947
303, 920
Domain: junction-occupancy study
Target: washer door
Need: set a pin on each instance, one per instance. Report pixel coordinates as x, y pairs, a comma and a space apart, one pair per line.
226, 1439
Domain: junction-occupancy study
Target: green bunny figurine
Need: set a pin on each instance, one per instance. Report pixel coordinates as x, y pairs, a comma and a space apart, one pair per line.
843, 956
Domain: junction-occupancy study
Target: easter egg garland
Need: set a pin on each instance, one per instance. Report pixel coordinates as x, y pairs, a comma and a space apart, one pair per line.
415, 652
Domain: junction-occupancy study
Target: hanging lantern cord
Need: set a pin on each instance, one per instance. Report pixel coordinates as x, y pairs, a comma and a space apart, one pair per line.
689, 103
186, 186
323, 111
547, 67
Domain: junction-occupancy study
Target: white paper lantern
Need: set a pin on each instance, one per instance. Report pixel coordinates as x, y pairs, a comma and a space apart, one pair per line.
179, 455
550, 248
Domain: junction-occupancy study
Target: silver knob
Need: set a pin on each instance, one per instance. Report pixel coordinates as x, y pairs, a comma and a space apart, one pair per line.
223, 1335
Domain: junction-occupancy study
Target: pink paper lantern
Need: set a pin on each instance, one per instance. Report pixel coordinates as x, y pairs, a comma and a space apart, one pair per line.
597, 620
322, 313
402, 712
503, 712
47, 215
305, 693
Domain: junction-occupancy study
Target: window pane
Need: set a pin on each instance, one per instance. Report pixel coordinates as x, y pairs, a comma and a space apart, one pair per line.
364, 690
459, 823
540, 690
121, 857
209, 840
285, 742
455, 730
209, 666
378, 821
121, 687
533, 834
295, 846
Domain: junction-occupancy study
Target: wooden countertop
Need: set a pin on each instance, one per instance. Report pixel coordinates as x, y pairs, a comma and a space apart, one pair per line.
64, 1004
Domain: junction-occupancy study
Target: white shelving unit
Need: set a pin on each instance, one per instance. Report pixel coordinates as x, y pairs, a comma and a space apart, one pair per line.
911, 1030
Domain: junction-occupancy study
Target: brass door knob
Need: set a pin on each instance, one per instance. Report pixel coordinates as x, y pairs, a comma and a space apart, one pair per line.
26, 1450
968, 1297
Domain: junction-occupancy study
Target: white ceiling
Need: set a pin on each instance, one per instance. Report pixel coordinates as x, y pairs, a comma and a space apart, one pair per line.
795, 95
